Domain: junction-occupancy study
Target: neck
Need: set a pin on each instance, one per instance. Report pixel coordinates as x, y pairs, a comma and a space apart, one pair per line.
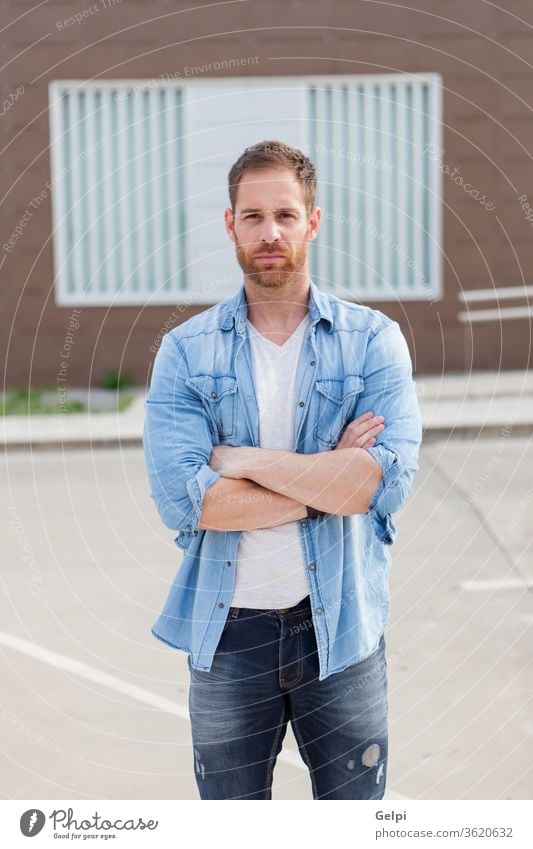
283, 307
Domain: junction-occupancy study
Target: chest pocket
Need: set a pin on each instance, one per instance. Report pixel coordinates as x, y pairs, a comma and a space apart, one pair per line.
336, 401
219, 396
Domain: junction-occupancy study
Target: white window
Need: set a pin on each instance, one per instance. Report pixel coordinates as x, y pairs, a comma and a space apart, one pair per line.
139, 183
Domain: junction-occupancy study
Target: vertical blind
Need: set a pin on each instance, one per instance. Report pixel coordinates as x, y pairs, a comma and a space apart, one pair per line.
139, 183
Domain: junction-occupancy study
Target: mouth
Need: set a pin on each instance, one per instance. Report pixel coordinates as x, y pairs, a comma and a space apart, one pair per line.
270, 257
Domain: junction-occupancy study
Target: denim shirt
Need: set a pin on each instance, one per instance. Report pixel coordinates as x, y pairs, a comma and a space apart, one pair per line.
355, 359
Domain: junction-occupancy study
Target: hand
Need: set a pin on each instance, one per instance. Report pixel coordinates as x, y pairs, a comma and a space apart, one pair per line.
362, 432
229, 460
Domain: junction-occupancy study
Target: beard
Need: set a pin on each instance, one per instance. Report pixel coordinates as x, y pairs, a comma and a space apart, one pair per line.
282, 271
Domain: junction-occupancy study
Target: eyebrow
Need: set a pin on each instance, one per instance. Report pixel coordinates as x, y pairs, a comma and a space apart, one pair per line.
281, 209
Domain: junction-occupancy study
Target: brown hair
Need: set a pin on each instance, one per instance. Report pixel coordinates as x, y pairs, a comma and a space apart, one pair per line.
274, 153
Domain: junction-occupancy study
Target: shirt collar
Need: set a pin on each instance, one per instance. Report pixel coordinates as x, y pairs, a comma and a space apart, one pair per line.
236, 309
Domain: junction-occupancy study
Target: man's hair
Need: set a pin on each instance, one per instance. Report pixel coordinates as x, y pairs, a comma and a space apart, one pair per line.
267, 154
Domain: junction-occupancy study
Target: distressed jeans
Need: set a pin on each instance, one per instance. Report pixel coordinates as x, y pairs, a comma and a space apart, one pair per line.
265, 674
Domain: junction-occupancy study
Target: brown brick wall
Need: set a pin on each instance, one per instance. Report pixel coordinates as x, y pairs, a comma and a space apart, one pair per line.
483, 53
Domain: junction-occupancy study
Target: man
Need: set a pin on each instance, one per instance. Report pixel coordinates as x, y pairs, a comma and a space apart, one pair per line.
282, 430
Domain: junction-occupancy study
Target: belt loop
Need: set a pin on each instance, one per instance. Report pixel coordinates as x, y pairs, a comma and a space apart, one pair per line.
234, 612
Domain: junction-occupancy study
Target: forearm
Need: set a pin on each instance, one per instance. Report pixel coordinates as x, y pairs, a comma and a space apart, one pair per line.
340, 481
242, 505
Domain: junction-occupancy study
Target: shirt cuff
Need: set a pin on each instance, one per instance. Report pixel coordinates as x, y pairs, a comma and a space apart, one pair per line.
380, 516
196, 487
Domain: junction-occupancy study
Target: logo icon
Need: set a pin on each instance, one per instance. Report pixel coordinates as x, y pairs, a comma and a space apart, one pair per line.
31, 822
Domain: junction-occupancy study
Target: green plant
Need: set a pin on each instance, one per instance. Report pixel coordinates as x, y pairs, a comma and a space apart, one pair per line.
22, 402
114, 379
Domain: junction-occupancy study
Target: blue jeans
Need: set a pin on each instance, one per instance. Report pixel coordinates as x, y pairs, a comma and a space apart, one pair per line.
264, 674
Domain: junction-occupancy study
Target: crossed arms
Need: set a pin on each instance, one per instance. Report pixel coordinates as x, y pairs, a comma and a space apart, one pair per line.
262, 488
241, 488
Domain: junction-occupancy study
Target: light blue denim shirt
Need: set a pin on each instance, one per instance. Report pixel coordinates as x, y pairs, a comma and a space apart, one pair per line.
355, 359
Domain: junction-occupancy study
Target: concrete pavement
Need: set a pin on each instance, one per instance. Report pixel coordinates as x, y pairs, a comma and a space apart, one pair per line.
92, 706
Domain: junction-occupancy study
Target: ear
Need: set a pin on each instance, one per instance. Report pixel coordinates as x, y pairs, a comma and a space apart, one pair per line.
229, 222
314, 222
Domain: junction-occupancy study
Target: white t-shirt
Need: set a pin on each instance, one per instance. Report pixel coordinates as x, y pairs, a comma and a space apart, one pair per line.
270, 561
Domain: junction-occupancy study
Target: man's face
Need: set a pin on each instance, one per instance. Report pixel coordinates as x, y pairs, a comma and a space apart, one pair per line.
271, 228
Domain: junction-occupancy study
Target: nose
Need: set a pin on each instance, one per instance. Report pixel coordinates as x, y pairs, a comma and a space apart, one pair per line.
270, 231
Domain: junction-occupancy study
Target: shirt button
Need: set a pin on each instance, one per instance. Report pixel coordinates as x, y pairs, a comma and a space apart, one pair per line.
319, 610
301, 403
221, 604
213, 394
228, 562
312, 363
304, 523
248, 397
312, 567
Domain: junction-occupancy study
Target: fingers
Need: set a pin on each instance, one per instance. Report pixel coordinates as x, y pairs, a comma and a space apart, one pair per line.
365, 425
361, 441
362, 432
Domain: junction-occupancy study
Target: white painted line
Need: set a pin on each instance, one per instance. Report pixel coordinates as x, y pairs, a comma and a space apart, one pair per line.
496, 294
497, 584
90, 673
83, 670
495, 314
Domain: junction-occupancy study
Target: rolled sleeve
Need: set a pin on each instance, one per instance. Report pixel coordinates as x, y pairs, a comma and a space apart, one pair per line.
389, 390
197, 487
177, 443
387, 496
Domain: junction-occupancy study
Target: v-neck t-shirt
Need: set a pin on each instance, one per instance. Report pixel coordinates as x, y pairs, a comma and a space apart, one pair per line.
270, 561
